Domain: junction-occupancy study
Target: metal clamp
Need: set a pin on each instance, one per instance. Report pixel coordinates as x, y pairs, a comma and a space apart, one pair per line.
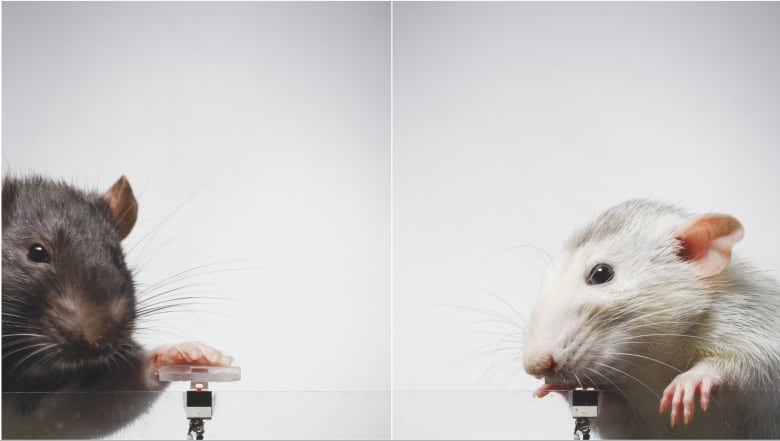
199, 407
199, 401
584, 407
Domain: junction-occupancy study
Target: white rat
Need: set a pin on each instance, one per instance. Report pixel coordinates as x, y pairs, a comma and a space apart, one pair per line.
647, 304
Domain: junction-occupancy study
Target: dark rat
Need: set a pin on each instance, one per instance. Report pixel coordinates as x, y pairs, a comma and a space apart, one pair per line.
648, 304
69, 313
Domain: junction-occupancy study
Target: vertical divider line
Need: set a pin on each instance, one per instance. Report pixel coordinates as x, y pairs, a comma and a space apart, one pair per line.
392, 227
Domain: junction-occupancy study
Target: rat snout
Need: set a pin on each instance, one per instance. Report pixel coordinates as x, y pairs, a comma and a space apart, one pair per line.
540, 364
552, 349
94, 339
87, 335
553, 364
539, 358
85, 328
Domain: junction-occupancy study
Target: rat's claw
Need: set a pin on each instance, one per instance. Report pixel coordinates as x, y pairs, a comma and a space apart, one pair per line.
680, 395
666, 399
705, 390
689, 403
676, 406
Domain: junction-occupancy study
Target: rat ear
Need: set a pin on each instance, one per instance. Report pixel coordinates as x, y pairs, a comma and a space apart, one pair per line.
707, 243
122, 206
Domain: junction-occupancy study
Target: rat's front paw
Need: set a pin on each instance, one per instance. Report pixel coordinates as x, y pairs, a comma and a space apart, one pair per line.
681, 393
189, 353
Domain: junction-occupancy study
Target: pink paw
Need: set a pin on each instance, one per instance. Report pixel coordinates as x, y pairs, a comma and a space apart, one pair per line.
680, 395
189, 353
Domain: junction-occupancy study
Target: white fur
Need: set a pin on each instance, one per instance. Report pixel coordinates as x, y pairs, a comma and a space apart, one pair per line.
657, 310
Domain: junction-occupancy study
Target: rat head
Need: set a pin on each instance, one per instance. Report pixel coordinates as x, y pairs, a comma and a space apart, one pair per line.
628, 287
68, 297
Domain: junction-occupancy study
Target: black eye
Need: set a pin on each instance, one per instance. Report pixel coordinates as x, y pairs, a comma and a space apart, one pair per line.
118, 260
601, 273
38, 254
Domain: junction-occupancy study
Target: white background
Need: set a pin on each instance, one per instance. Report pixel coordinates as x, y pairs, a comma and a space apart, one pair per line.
514, 123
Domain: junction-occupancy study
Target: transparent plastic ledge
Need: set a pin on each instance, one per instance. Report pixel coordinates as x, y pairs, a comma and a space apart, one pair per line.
184, 372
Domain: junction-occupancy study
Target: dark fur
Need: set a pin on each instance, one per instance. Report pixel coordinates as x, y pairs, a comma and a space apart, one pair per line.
82, 304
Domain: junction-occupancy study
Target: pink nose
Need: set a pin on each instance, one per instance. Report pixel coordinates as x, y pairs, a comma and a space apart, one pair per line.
540, 365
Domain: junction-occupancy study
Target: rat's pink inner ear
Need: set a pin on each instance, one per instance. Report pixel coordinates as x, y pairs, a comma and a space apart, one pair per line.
122, 205
707, 243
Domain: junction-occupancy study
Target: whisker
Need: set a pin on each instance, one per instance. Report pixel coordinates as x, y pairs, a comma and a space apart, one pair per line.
541, 252
145, 239
646, 358
32, 354
24, 348
630, 376
496, 315
496, 296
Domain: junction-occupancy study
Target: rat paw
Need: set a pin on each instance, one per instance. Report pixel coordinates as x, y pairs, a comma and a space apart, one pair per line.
680, 395
189, 353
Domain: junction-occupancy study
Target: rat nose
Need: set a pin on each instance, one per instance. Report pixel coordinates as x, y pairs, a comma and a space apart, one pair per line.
96, 343
90, 341
541, 364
